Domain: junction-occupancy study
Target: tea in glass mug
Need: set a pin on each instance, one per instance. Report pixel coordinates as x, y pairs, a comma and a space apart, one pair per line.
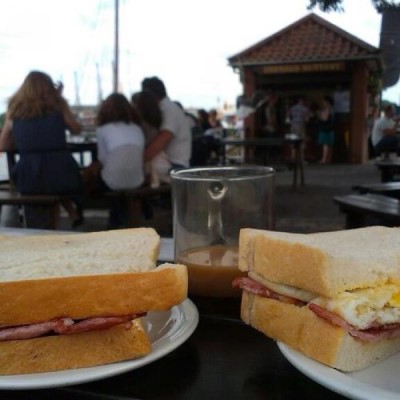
210, 206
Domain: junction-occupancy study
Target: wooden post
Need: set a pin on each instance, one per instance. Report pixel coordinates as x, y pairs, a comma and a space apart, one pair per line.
358, 153
116, 47
249, 89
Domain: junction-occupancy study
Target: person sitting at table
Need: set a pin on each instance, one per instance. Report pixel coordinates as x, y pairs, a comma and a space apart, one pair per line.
384, 137
120, 146
36, 123
174, 135
149, 112
213, 119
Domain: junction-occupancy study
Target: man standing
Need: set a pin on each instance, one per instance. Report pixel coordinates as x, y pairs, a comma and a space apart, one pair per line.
384, 138
299, 115
174, 136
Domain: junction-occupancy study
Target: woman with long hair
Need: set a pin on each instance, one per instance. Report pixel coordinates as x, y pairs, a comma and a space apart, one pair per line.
36, 123
120, 145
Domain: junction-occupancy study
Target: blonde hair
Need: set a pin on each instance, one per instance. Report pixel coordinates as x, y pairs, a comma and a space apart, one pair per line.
36, 97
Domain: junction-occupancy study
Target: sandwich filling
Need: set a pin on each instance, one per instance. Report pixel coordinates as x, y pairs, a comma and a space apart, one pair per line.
66, 326
369, 314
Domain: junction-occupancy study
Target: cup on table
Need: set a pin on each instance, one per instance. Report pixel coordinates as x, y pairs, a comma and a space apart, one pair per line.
210, 206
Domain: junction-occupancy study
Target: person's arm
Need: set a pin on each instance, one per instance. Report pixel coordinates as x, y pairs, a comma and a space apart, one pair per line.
159, 143
6, 139
101, 147
73, 125
391, 130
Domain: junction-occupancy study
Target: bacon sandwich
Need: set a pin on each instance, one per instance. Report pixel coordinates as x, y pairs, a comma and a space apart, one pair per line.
333, 296
75, 300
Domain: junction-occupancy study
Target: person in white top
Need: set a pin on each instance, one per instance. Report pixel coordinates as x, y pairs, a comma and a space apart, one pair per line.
174, 136
298, 115
120, 147
384, 137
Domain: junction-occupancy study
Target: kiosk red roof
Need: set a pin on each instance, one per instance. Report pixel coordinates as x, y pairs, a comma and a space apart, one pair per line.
310, 39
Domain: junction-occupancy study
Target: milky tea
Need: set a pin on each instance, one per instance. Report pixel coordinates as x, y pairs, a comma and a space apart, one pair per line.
210, 206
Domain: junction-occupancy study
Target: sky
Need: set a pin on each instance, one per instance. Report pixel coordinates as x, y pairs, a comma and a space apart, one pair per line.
184, 42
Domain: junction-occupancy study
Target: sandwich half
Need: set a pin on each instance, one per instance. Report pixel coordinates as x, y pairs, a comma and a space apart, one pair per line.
333, 296
70, 301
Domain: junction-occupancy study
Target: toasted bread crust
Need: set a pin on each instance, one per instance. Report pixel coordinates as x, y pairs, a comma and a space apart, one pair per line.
301, 329
77, 297
54, 353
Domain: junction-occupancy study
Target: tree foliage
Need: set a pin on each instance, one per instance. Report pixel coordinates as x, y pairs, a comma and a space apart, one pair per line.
337, 5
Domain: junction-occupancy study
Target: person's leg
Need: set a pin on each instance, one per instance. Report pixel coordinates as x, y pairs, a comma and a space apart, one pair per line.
292, 154
74, 209
90, 176
56, 211
325, 154
321, 141
330, 142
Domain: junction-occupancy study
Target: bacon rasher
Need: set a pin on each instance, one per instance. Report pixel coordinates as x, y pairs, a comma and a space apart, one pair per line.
65, 326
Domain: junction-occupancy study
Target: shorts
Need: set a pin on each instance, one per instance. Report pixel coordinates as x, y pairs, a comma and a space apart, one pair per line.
326, 137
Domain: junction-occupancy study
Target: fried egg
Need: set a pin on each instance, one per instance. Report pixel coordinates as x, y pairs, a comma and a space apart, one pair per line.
364, 308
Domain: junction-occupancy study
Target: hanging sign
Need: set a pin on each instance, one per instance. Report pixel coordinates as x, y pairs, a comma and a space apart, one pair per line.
303, 68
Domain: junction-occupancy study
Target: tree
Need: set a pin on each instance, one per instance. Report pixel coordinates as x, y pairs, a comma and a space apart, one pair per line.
336, 5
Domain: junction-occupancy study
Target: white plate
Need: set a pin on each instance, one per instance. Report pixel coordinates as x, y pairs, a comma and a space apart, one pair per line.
380, 381
167, 331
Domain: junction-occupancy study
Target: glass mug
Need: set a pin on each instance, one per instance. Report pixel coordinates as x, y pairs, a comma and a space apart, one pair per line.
210, 206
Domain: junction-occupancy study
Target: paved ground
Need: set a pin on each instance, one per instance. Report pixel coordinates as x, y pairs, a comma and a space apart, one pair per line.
311, 209
308, 209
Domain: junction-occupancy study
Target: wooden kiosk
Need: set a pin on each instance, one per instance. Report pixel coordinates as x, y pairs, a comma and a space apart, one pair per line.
315, 58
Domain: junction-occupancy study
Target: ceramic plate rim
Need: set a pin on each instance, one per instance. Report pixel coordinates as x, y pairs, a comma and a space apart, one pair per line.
337, 381
184, 327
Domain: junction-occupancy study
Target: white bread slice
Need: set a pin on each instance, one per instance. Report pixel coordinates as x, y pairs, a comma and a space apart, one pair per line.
324, 263
36, 257
301, 329
53, 353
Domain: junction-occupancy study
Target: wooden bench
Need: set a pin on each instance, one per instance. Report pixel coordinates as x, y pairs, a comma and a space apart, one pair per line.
129, 199
141, 192
6, 185
391, 189
369, 209
45, 205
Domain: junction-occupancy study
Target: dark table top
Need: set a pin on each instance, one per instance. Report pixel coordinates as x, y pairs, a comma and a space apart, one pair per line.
387, 163
223, 359
257, 142
389, 167
272, 141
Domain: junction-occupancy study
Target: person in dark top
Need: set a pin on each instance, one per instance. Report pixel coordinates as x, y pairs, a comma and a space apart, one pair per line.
213, 119
326, 133
202, 116
36, 123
